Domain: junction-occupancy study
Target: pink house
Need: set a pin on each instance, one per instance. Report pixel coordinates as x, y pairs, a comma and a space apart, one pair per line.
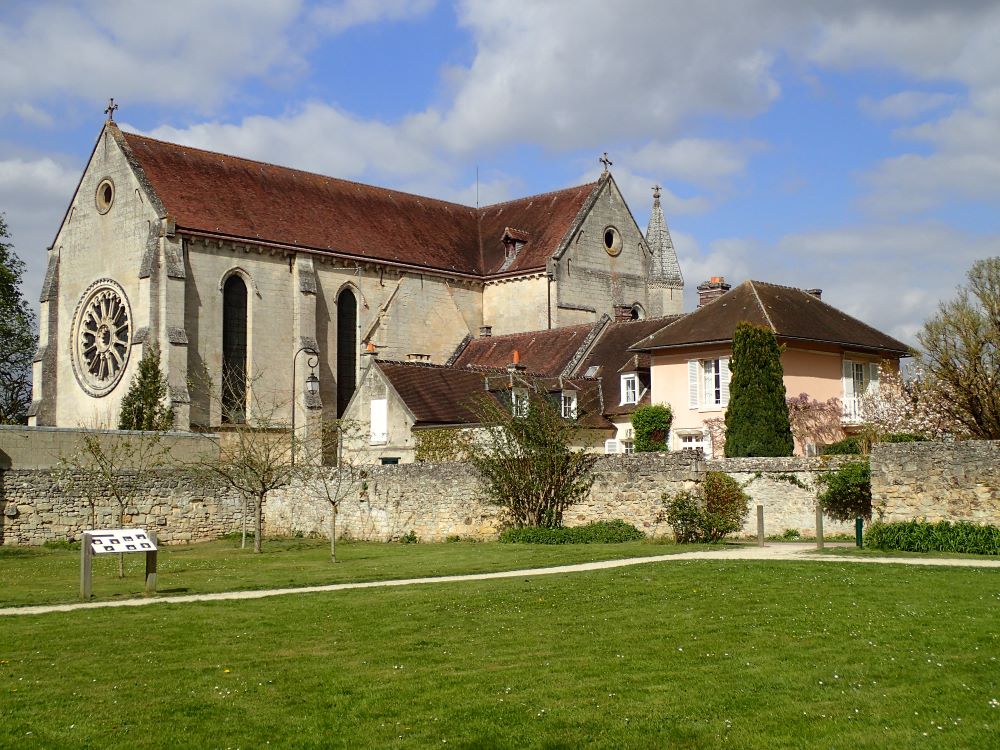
827, 355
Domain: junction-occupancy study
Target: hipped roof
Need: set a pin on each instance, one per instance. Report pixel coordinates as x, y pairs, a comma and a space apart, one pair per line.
241, 199
793, 315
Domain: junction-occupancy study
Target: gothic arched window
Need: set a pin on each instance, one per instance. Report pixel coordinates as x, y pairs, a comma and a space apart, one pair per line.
234, 350
347, 348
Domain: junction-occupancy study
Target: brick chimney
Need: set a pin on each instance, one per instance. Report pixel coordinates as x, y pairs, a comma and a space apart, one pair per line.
485, 331
711, 290
623, 312
817, 293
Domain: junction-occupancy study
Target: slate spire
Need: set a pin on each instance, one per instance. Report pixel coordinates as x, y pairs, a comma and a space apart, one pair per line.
666, 271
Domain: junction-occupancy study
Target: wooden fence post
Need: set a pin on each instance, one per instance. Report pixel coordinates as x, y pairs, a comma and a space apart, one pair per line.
86, 566
760, 525
819, 526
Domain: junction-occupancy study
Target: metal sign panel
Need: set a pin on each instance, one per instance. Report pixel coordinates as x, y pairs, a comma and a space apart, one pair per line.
120, 540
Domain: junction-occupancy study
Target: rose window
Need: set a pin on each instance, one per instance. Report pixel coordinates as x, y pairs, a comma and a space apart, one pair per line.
102, 337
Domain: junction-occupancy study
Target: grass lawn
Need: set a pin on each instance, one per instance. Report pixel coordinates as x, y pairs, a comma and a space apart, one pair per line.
45, 576
679, 655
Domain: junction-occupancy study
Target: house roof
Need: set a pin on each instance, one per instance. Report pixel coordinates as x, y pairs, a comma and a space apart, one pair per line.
793, 315
254, 201
541, 352
611, 356
439, 395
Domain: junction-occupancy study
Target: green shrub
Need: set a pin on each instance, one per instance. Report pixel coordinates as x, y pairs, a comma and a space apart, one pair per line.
721, 509
790, 535
651, 425
410, 538
849, 446
597, 532
943, 536
848, 492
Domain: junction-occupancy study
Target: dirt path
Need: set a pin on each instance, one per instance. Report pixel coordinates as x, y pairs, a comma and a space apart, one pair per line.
795, 552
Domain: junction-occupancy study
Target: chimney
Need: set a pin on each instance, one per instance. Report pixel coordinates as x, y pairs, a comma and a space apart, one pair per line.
485, 331
711, 290
623, 312
817, 293
516, 365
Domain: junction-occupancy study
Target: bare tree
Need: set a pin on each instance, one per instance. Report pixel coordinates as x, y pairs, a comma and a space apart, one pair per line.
961, 352
116, 465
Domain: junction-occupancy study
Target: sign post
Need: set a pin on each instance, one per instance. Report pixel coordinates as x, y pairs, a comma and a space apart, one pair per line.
109, 541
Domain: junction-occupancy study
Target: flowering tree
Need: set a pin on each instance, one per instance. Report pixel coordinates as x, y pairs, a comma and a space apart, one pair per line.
914, 404
813, 421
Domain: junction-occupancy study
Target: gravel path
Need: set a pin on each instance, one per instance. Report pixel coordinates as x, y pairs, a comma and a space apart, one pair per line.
784, 551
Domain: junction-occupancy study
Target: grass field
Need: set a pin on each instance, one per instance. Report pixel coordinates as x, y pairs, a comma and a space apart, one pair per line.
677, 654
46, 576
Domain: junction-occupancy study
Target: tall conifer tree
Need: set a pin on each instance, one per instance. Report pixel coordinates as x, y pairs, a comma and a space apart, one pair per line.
757, 416
144, 406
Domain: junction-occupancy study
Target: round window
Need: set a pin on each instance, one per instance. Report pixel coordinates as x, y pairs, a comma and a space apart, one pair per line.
612, 241
102, 337
105, 196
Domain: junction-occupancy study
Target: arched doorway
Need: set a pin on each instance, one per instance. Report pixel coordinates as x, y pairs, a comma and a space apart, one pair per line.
347, 348
234, 350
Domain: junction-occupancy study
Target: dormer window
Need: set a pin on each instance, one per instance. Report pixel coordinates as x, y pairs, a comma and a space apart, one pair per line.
519, 402
513, 240
569, 404
630, 388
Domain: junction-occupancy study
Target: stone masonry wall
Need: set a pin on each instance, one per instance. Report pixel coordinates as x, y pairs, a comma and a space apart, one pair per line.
938, 481
39, 506
786, 487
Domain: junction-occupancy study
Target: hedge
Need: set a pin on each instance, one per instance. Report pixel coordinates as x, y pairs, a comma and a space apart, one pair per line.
597, 532
942, 536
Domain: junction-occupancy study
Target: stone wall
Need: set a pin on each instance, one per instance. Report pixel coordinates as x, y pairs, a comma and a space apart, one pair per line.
39, 506
951, 481
786, 487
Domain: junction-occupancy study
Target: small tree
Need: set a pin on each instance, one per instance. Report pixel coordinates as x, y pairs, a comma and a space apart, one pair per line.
757, 416
525, 463
813, 421
848, 492
906, 405
116, 466
962, 352
17, 336
651, 425
144, 406
720, 507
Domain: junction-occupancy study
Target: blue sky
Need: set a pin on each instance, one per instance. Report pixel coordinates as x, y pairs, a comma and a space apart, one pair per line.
852, 146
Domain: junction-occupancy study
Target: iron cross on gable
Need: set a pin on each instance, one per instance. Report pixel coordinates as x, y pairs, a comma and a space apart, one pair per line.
605, 161
110, 111
656, 191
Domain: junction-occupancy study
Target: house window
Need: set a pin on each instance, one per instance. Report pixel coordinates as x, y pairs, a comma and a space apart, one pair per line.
234, 350
569, 404
379, 421
519, 402
860, 378
628, 446
612, 446
630, 389
708, 383
389, 460
692, 440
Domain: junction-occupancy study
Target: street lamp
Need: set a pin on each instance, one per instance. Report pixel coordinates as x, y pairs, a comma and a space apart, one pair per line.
312, 384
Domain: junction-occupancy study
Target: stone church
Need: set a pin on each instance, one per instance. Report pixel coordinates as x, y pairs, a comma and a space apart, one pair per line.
241, 272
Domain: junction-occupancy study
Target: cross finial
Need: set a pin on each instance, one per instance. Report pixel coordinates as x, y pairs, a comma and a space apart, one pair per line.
110, 111
656, 192
606, 162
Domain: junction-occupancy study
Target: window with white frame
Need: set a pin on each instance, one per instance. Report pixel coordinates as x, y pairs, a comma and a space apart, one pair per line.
860, 378
708, 383
692, 439
628, 446
379, 420
519, 402
569, 404
630, 388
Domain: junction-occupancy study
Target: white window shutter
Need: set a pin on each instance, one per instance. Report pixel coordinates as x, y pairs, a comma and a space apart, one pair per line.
724, 379
611, 446
693, 383
873, 369
379, 420
848, 379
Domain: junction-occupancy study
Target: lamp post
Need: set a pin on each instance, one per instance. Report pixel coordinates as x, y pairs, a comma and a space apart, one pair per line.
312, 384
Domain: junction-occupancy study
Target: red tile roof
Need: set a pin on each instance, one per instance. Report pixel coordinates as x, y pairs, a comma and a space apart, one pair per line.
793, 315
242, 199
541, 352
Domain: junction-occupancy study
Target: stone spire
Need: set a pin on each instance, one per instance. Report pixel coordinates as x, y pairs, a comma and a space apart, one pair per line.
666, 271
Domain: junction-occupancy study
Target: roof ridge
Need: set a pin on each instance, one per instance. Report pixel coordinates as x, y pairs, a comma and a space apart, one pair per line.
762, 308
538, 195
537, 331
286, 168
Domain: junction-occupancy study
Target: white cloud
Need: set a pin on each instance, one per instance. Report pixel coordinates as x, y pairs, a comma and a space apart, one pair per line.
340, 16
34, 195
906, 105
